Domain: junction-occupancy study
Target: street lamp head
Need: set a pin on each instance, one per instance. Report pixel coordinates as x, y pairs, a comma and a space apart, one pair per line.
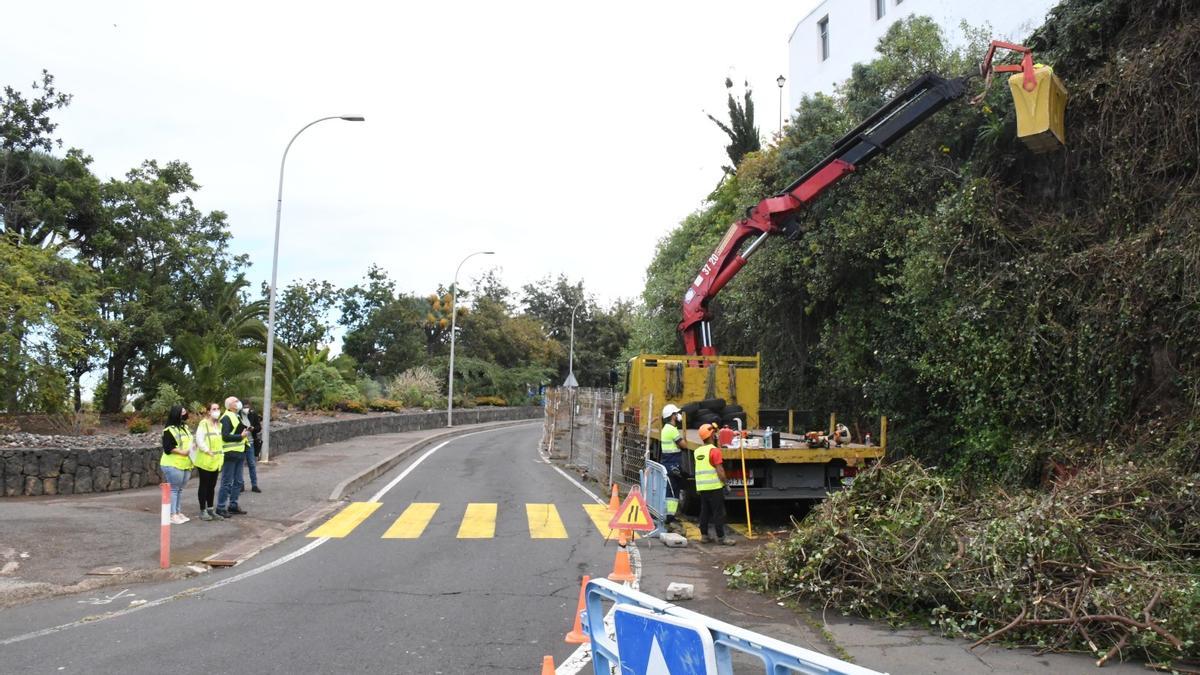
780, 80
360, 118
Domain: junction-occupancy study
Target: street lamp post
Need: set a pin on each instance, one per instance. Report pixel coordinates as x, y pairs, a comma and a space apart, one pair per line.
570, 381
266, 448
779, 81
453, 326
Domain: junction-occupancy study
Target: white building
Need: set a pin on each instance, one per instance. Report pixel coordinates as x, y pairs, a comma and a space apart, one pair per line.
839, 33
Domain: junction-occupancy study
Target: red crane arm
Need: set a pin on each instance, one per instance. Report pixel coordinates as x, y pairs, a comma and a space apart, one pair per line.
778, 214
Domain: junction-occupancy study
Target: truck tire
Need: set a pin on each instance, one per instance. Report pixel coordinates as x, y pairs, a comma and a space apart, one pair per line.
707, 417
714, 404
730, 419
732, 408
690, 409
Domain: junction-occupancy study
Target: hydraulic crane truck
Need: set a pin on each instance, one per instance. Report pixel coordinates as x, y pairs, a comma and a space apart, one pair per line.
795, 469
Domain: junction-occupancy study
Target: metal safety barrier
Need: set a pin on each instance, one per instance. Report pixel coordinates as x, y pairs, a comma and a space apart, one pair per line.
710, 644
655, 490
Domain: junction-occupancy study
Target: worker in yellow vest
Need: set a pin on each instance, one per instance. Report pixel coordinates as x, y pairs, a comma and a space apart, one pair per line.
175, 464
234, 435
710, 486
208, 458
672, 444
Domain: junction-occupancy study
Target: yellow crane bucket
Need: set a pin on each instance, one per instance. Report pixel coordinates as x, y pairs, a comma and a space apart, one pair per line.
1041, 110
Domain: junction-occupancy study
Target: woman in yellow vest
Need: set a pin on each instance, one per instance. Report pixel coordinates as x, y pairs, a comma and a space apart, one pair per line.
209, 457
176, 465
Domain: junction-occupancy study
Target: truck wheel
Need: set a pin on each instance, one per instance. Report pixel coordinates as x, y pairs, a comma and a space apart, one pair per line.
714, 404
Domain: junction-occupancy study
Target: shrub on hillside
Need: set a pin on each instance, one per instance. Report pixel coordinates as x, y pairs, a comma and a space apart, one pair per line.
160, 405
352, 406
321, 386
415, 388
385, 405
137, 424
490, 400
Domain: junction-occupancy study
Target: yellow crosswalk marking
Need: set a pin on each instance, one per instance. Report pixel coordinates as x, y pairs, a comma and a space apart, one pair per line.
412, 522
544, 522
345, 520
479, 522
601, 516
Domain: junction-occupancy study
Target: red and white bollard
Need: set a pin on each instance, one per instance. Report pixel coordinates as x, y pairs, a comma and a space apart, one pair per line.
164, 556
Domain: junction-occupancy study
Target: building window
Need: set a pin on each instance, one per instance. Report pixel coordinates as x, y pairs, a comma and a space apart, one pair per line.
823, 37
880, 9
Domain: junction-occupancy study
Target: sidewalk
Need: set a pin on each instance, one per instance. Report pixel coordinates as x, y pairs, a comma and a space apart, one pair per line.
57, 545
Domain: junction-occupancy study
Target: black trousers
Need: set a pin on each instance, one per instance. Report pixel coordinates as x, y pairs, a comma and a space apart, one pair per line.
712, 509
208, 487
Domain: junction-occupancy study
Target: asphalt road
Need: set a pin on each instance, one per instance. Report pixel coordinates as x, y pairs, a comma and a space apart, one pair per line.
461, 594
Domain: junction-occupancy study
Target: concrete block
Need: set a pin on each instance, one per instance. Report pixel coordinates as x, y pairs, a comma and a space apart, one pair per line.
680, 591
673, 540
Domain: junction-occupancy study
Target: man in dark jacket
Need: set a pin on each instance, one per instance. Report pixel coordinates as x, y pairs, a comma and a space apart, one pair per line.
253, 421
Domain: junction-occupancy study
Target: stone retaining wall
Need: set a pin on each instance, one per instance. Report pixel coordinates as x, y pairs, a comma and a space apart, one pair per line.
66, 471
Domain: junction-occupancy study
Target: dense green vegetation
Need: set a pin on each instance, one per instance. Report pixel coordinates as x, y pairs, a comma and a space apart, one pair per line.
997, 305
127, 278
1029, 322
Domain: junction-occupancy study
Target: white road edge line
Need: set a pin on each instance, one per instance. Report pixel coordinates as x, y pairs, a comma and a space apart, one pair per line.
239, 577
582, 656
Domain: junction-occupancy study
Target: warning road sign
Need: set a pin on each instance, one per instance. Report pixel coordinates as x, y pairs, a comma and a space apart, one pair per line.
633, 514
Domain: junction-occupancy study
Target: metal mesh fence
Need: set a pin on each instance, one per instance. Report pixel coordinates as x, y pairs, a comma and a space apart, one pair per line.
584, 428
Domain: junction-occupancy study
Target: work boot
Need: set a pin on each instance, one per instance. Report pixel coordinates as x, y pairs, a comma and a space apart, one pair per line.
705, 539
221, 513
205, 515
237, 511
255, 489
726, 541
216, 515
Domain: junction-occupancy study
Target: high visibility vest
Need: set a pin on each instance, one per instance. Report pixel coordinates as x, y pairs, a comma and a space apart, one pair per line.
667, 439
706, 474
233, 446
183, 441
211, 430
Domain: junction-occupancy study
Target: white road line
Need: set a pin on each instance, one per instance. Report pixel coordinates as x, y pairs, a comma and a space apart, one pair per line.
582, 656
239, 577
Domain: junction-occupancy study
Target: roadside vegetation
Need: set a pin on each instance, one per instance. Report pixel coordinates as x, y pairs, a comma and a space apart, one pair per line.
1028, 322
126, 279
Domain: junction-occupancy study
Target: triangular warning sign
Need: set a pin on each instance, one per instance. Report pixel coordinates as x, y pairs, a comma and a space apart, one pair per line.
633, 514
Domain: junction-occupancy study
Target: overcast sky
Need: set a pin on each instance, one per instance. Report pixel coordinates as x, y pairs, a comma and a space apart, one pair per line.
569, 137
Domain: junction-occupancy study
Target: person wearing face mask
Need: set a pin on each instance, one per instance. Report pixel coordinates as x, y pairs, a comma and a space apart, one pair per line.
233, 442
208, 458
175, 464
253, 422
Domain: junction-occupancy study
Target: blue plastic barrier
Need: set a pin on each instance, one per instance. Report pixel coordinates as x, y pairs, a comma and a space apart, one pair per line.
655, 489
777, 657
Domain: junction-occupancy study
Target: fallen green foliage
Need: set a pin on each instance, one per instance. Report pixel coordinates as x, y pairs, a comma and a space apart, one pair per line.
1106, 561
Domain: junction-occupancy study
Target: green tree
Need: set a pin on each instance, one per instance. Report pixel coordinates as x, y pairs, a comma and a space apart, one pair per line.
384, 331
743, 134
303, 313
155, 255
46, 205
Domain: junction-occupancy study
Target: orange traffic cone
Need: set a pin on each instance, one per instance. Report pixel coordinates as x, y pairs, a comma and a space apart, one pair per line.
614, 504
623, 537
621, 570
577, 636
547, 665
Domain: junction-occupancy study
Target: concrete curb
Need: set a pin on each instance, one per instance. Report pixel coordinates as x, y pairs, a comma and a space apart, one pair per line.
352, 484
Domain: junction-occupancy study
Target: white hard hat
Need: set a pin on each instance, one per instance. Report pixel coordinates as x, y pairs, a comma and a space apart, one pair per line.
669, 409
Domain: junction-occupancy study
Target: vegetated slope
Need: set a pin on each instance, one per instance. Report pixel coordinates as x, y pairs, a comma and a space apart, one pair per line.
1052, 306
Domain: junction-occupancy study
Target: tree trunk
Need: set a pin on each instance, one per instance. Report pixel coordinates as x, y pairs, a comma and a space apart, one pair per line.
114, 396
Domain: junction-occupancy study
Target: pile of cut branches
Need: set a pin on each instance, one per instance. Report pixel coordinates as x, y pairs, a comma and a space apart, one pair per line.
1108, 561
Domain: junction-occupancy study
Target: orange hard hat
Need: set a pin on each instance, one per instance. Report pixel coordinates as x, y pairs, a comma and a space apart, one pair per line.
707, 431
